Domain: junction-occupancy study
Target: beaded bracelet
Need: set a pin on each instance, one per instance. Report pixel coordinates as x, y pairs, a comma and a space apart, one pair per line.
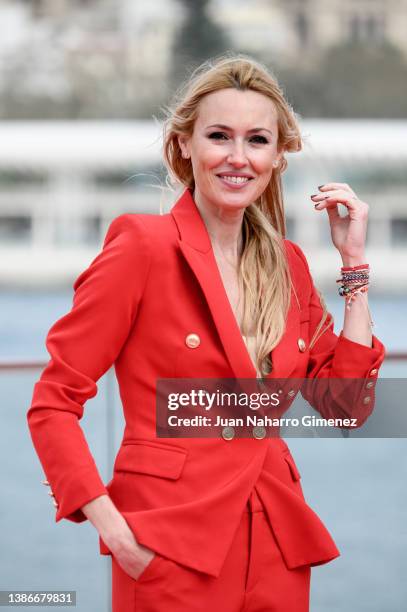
354, 281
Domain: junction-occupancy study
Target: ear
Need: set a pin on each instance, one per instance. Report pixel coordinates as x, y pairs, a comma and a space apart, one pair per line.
183, 142
278, 158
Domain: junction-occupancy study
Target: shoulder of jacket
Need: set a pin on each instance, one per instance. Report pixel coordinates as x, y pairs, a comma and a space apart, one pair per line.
139, 224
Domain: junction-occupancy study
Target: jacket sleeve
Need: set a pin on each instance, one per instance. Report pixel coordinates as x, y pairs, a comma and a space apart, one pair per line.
337, 357
83, 345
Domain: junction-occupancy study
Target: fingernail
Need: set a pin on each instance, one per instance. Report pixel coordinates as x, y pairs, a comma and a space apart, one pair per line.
316, 205
313, 195
319, 186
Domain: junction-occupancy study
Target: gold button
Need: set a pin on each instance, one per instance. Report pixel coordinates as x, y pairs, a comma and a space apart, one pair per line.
370, 384
291, 393
373, 372
259, 432
366, 400
192, 340
228, 433
301, 345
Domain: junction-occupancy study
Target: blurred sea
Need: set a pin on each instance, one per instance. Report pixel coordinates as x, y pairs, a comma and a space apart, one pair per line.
357, 486
25, 318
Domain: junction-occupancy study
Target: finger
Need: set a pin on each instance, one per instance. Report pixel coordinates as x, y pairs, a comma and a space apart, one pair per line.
333, 213
341, 197
330, 206
355, 208
344, 186
337, 193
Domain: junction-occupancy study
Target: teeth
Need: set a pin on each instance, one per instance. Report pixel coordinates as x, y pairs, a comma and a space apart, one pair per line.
236, 179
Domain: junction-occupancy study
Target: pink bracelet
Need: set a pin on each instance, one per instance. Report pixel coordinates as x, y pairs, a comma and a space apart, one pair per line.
350, 268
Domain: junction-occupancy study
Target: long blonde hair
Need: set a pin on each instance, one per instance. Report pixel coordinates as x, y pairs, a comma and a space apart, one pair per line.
264, 275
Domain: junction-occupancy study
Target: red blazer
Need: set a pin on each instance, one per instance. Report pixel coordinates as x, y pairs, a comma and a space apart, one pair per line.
155, 282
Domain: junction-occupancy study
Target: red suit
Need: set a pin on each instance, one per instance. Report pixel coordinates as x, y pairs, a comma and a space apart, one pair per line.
154, 283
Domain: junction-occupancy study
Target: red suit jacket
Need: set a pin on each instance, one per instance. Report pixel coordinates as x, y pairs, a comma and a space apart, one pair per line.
155, 282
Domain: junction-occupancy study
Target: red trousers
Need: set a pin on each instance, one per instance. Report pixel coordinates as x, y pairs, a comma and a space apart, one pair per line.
254, 578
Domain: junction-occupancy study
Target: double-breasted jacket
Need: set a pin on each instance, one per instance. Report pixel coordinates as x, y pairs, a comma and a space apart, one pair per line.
154, 283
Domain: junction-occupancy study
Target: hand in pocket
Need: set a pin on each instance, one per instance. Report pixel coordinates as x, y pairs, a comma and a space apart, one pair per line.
132, 557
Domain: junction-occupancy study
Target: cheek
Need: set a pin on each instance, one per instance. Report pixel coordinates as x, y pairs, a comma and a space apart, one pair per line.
207, 160
263, 163
213, 157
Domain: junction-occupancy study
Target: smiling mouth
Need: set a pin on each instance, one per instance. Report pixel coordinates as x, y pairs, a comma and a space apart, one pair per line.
235, 180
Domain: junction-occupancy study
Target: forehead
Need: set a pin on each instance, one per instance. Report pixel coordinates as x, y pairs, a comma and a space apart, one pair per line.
233, 107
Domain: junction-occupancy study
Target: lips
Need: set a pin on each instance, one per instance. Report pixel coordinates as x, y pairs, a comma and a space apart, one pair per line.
235, 179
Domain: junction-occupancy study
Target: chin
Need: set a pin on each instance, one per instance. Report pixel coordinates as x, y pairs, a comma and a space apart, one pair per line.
232, 200
223, 197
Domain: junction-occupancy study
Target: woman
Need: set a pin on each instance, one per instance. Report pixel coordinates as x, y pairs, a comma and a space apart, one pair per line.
210, 290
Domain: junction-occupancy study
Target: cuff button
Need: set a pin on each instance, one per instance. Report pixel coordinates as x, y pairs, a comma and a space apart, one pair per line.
259, 432
228, 433
192, 341
301, 345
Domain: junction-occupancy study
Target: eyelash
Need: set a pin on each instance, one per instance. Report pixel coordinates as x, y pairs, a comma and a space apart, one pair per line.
214, 136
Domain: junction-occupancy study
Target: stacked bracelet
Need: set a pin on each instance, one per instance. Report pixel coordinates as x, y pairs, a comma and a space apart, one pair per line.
354, 281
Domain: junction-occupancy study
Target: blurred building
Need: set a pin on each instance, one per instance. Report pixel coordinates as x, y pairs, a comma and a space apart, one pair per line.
61, 183
55, 49
300, 31
113, 58
294, 30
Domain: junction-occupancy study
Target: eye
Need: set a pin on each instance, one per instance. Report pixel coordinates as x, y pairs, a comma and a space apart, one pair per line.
259, 139
217, 135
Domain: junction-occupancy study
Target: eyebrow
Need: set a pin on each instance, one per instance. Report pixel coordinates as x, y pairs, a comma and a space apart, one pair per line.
226, 127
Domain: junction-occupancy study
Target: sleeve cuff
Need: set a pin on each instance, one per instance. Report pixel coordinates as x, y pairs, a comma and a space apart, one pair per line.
354, 360
76, 495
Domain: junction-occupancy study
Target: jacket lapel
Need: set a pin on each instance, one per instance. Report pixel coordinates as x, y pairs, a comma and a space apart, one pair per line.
196, 247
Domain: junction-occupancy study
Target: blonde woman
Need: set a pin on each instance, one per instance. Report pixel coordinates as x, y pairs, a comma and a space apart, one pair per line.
210, 290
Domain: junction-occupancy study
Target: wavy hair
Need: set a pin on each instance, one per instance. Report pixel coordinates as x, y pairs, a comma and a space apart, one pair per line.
264, 275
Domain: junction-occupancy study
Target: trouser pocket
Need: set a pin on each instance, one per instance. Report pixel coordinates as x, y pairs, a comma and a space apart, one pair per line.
150, 569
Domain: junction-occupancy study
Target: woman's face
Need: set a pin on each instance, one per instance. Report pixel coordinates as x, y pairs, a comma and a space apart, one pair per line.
233, 147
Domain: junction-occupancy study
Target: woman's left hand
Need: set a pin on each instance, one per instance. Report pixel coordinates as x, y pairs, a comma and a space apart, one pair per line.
348, 233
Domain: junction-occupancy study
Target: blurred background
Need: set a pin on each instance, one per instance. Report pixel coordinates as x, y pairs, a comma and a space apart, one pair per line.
82, 88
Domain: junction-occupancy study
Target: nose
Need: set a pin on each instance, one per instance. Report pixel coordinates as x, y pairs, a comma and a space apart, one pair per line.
237, 155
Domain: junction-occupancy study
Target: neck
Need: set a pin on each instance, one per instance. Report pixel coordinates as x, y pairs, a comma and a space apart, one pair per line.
224, 227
